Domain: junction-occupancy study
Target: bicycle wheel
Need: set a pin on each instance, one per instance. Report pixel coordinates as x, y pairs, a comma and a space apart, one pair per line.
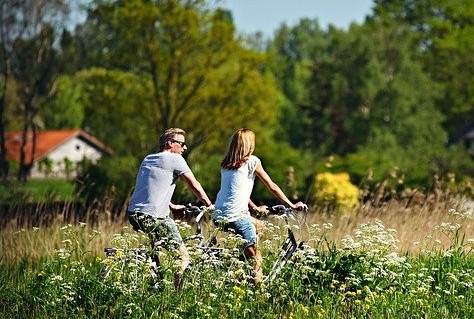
110, 261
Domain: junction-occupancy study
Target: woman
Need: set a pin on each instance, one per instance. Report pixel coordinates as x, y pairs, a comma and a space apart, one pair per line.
233, 204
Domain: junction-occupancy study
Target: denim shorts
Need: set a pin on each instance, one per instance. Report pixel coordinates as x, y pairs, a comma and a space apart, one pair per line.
161, 231
242, 227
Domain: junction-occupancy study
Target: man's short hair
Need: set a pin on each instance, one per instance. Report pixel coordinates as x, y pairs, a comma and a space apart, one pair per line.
170, 134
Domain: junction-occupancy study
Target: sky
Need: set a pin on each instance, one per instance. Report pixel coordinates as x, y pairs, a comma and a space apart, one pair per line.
266, 16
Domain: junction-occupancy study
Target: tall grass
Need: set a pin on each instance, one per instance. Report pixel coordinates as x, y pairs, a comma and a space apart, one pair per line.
392, 259
37, 190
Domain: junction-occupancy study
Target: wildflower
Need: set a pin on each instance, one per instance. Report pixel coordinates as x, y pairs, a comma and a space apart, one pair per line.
238, 291
327, 226
304, 309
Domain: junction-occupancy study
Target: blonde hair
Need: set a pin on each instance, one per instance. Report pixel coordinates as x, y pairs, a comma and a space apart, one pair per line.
170, 134
241, 146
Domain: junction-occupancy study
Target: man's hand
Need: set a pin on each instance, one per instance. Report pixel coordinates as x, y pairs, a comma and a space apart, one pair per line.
260, 211
176, 207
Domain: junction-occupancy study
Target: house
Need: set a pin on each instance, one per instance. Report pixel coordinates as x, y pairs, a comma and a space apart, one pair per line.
58, 153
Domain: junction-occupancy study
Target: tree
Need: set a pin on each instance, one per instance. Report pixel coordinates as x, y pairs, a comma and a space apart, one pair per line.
446, 39
8, 33
64, 110
195, 66
380, 104
198, 72
186, 69
117, 109
32, 77
291, 55
27, 38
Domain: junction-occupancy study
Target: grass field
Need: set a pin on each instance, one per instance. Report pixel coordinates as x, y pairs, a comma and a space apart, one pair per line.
398, 259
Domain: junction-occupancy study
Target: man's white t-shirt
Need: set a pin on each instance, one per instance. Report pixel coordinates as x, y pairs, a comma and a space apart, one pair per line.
156, 182
236, 188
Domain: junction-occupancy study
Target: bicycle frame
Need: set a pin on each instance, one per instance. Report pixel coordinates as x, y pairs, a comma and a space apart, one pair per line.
290, 245
138, 256
207, 247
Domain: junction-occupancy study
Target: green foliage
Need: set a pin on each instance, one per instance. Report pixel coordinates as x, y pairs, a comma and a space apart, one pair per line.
383, 95
287, 167
390, 119
123, 119
446, 37
186, 70
336, 192
195, 70
114, 176
64, 111
377, 91
207, 172
291, 55
46, 166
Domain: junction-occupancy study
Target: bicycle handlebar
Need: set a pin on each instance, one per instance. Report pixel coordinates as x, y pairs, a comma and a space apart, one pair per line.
276, 210
190, 209
283, 210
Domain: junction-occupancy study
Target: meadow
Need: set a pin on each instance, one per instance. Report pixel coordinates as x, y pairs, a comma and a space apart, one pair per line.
404, 258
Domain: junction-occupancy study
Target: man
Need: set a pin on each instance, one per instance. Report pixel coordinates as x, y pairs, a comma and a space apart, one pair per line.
150, 203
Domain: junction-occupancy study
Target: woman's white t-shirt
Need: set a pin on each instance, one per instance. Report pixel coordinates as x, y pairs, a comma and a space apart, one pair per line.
236, 188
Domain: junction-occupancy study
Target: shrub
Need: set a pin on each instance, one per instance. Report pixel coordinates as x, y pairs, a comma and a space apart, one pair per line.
335, 191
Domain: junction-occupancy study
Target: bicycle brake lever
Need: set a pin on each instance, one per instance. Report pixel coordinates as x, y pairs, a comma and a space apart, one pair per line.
199, 216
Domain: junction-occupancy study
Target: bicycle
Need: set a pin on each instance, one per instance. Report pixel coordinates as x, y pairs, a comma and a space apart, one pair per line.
117, 259
290, 244
209, 250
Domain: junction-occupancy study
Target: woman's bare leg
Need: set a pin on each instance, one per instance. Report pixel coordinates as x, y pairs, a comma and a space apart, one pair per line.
252, 252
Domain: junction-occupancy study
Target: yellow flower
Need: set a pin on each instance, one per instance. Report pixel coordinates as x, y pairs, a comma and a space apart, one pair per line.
304, 309
238, 291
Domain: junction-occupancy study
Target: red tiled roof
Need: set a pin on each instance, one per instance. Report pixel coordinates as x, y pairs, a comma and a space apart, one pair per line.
46, 141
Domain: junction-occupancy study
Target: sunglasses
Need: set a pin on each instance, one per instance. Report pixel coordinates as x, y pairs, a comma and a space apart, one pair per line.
181, 143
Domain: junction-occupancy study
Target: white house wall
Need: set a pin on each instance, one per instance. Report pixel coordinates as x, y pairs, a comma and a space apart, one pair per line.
75, 150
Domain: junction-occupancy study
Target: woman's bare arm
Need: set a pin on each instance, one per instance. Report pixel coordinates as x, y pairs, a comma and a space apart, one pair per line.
274, 188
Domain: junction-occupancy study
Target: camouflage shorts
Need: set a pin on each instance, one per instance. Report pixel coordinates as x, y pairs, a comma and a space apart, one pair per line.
162, 232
